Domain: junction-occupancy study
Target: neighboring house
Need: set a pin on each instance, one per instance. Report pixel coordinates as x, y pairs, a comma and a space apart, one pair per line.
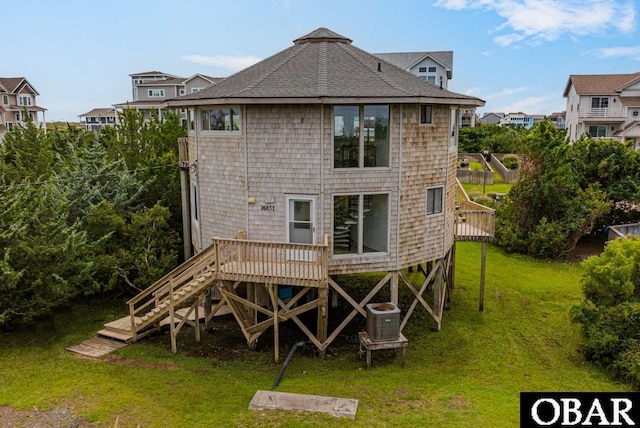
522, 120
492, 118
152, 88
559, 119
18, 99
98, 118
322, 142
434, 67
604, 106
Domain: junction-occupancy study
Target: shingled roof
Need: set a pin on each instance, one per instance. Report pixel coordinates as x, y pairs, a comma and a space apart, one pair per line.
599, 84
323, 66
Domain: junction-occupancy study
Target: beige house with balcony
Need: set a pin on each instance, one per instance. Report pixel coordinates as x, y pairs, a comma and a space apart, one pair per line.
98, 118
18, 99
604, 106
150, 90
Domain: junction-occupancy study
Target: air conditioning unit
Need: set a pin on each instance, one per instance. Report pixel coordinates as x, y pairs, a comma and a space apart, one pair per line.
383, 321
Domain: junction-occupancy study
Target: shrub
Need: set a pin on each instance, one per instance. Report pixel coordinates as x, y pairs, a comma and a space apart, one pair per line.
510, 161
610, 313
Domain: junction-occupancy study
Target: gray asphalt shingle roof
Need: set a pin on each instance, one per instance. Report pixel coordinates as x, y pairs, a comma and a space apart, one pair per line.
324, 64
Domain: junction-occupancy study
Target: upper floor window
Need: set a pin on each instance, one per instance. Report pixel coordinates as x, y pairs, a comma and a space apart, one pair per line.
220, 119
432, 69
5, 99
181, 91
24, 100
422, 69
431, 79
599, 102
195, 90
9, 126
361, 136
426, 111
156, 92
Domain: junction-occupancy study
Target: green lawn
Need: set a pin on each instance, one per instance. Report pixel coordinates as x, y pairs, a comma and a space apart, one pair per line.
469, 374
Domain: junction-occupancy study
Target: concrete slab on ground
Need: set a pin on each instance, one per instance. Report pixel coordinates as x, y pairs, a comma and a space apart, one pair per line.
340, 407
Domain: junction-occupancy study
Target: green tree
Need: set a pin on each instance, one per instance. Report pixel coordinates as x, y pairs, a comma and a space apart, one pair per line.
551, 207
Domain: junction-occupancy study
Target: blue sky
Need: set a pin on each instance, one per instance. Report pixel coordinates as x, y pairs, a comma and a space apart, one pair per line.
515, 54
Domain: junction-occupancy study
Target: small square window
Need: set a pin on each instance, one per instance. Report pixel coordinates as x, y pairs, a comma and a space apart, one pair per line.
426, 113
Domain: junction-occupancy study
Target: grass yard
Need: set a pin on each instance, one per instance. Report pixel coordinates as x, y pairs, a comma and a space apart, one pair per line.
469, 374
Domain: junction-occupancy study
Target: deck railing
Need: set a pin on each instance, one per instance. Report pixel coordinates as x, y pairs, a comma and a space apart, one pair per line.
474, 222
604, 112
273, 262
623, 230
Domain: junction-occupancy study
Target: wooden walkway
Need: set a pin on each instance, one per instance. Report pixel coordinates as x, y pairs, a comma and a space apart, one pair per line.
96, 347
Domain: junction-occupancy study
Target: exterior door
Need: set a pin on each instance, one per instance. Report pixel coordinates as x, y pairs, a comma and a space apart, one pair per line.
301, 224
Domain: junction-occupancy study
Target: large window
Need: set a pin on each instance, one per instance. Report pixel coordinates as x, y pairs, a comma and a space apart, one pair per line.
361, 136
220, 119
360, 224
5, 99
598, 131
434, 200
599, 102
24, 100
156, 92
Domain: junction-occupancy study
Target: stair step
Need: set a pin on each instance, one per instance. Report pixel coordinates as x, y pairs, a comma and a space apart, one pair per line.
121, 336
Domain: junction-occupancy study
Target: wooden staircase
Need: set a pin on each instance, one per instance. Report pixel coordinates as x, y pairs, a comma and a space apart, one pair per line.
172, 299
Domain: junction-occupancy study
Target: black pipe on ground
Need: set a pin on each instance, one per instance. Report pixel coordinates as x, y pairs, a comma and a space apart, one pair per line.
286, 362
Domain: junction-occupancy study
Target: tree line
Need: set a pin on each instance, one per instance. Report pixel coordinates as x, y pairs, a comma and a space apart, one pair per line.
82, 213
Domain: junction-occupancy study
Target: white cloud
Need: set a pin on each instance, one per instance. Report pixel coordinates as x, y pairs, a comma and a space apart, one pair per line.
232, 63
631, 52
506, 92
537, 21
546, 104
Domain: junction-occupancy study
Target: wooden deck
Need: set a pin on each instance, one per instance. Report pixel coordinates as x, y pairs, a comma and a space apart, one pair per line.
474, 222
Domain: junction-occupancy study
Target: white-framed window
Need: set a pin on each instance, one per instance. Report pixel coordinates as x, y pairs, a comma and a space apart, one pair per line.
156, 92
360, 136
426, 113
192, 119
432, 69
5, 99
9, 126
599, 102
220, 119
431, 79
422, 69
598, 131
24, 100
434, 200
196, 90
360, 223
182, 91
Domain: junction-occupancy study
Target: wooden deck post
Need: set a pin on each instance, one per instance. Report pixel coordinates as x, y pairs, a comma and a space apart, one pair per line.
437, 296
273, 292
323, 318
393, 288
482, 272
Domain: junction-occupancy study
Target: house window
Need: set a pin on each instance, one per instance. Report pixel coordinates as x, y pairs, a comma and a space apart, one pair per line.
181, 91
17, 117
599, 102
598, 131
156, 92
426, 111
422, 69
432, 69
431, 79
453, 130
24, 100
434, 200
195, 90
360, 224
5, 99
361, 136
220, 119
9, 126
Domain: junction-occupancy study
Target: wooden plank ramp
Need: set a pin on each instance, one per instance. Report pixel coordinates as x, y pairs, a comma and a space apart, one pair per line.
339, 407
96, 347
